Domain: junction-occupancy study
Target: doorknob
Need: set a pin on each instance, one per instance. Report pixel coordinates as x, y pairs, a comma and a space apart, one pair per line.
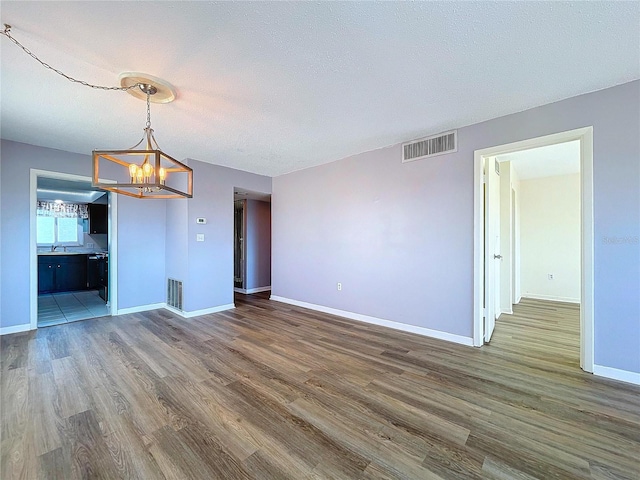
497, 256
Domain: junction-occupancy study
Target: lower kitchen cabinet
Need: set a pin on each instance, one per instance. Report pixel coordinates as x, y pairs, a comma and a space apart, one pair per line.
62, 273
46, 276
93, 271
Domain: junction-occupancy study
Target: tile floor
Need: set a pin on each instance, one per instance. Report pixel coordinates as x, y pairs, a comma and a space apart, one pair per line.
57, 308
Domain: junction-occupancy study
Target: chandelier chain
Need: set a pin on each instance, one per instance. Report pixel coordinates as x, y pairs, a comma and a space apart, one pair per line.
148, 110
7, 33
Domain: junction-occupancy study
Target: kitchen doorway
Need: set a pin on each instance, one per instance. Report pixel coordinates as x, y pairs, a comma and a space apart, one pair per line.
72, 235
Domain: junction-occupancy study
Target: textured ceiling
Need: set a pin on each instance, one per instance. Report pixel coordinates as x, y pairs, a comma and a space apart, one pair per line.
274, 87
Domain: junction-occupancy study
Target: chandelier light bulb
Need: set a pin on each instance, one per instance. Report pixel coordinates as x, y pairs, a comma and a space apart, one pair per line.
147, 169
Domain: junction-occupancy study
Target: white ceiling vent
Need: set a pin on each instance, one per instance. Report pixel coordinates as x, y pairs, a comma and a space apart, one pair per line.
430, 147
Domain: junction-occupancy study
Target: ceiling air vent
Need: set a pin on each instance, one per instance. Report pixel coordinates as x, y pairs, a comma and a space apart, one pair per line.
430, 147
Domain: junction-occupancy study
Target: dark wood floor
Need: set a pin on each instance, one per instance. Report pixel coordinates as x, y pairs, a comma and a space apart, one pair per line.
273, 391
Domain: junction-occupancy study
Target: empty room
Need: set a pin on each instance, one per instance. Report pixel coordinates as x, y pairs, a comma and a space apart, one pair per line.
319, 240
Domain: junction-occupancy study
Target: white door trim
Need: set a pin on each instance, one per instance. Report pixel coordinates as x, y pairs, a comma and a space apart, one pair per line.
585, 136
33, 248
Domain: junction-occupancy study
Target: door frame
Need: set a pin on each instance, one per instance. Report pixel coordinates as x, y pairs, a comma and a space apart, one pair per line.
585, 136
33, 248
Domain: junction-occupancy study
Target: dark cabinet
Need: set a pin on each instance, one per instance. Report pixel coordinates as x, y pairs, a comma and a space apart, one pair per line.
103, 279
46, 275
98, 218
62, 273
92, 272
72, 274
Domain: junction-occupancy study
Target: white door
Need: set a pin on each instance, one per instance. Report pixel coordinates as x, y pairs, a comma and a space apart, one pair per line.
492, 247
497, 258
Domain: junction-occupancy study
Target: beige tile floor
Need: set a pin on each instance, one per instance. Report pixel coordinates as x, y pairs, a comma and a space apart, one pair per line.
57, 308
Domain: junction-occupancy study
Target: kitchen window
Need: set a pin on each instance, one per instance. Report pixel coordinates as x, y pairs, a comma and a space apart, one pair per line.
51, 230
60, 224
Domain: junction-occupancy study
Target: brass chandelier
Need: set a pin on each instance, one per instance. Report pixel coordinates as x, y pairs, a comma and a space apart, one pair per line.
148, 172
145, 172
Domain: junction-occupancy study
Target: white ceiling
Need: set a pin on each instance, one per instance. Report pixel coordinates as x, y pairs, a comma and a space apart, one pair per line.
273, 87
549, 161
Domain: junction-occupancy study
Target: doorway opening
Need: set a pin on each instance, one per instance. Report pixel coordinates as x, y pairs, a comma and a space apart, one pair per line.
251, 242
239, 254
497, 268
72, 239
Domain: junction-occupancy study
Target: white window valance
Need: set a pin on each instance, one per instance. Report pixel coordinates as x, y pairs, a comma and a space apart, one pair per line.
62, 210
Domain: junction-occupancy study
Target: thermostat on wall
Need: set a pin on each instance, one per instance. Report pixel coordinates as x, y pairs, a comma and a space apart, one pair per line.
201, 220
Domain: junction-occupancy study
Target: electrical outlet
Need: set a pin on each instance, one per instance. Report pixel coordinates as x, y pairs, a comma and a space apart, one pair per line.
339, 286
89, 245
550, 276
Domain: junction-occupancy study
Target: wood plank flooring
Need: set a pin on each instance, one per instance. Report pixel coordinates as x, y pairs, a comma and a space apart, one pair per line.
272, 391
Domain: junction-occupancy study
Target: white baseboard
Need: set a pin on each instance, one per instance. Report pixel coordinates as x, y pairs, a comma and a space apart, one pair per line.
140, 308
25, 327
427, 332
617, 374
551, 298
252, 290
259, 289
204, 311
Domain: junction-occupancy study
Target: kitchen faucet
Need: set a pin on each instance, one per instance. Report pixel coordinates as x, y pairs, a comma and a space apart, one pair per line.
53, 248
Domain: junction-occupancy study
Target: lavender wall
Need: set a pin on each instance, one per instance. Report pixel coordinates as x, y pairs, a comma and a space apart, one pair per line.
258, 244
141, 252
176, 250
209, 275
400, 236
141, 230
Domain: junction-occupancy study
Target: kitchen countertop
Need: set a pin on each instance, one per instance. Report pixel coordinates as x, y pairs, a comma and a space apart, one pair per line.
68, 253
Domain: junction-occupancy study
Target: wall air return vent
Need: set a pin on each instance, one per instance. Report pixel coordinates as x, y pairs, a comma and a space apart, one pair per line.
174, 293
430, 147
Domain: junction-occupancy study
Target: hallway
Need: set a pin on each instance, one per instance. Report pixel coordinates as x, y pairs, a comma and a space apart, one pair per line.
542, 332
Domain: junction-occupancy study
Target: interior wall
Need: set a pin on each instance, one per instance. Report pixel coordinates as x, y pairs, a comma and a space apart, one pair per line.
550, 237
258, 244
208, 282
176, 235
400, 236
141, 229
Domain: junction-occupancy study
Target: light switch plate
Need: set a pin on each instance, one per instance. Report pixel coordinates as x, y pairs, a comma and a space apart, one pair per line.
201, 221
199, 237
